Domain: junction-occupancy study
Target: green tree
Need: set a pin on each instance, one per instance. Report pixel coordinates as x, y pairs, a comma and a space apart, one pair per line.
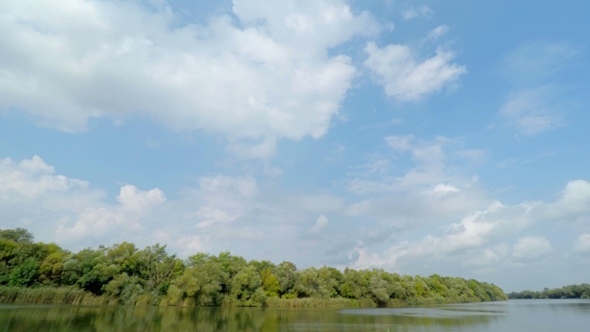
17, 235
270, 282
90, 269
379, 288
124, 256
286, 273
351, 285
157, 268
246, 288
24, 274
201, 284
51, 268
124, 289
329, 280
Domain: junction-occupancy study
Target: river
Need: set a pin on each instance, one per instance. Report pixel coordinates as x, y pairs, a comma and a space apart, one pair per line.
508, 316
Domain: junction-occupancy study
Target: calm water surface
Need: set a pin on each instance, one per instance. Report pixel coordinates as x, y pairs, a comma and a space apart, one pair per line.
520, 315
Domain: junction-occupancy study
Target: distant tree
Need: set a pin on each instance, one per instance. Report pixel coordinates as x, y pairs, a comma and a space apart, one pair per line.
17, 235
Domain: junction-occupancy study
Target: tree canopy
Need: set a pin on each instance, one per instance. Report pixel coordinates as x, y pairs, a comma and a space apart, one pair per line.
581, 291
124, 274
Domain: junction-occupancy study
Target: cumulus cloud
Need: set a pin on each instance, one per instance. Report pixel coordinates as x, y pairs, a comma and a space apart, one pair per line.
427, 189
443, 189
531, 247
430, 165
363, 259
493, 256
446, 226
96, 221
67, 209
407, 78
132, 198
33, 177
572, 204
71, 212
222, 199
265, 75
477, 239
209, 216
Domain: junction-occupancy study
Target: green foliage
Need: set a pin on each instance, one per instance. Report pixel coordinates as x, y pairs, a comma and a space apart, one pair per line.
23, 275
270, 282
581, 291
124, 289
286, 273
123, 274
200, 284
18, 235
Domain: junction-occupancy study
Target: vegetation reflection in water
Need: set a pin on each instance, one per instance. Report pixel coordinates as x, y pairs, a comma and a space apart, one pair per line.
110, 318
510, 316
447, 316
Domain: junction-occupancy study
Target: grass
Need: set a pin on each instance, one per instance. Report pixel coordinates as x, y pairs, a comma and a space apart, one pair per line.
48, 295
339, 302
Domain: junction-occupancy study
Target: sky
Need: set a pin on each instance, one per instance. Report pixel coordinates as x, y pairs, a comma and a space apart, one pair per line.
419, 137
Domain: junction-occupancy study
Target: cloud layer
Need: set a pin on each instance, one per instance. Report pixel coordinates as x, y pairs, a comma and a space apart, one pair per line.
261, 74
255, 75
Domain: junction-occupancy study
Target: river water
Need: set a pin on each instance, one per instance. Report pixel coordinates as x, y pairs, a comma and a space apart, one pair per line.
508, 316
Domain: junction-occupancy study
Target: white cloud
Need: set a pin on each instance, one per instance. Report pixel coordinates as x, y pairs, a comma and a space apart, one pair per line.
99, 220
573, 202
191, 244
473, 231
582, 243
429, 157
406, 78
430, 190
33, 177
222, 199
363, 259
415, 12
532, 112
70, 212
265, 77
530, 247
216, 187
447, 227
210, 216
320, 223
443, 189
133, 199
477, 239
538, 102
299, 22
65, 209
436, 33
534, 62
320, 203
493, 256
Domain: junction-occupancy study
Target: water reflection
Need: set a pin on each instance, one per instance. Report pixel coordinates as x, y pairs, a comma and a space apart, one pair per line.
545, 315
440, 318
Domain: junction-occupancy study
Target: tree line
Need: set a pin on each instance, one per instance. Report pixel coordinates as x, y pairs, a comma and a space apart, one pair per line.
124, 274
581, 291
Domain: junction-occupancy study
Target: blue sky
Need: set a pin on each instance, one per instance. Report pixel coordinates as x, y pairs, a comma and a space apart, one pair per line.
419, 137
